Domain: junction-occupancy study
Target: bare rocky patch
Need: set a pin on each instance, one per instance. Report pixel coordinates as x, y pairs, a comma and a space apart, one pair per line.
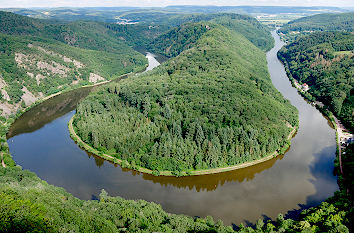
94, 78
28, 97
76, 63
4, 94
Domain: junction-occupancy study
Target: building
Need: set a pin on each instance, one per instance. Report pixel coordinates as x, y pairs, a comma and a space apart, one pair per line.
305, 87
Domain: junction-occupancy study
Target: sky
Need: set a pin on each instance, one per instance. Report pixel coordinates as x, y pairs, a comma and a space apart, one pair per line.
162, 3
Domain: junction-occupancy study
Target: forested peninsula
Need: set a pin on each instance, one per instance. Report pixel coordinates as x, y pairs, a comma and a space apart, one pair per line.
31, 204
212, 106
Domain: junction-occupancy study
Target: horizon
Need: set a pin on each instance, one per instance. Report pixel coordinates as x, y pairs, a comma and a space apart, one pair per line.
31, 4
57, 7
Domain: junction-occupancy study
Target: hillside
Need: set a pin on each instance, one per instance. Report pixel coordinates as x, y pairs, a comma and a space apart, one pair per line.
325, 62
212, 106
39, 58
320, 22
33, 68
185, 35
88, 35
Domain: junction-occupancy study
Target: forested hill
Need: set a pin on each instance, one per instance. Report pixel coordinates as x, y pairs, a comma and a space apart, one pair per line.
325, 62
321, 22
172, 43
212, 106
39, 58
88, 35
184, 36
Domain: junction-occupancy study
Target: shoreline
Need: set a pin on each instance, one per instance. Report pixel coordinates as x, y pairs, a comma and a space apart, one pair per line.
319, 106
10, 120
125, 164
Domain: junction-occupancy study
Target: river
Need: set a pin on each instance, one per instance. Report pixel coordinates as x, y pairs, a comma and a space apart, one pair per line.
40, 141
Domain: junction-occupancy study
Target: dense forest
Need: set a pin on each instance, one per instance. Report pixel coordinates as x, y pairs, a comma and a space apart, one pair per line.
87, 35
212, 106
325, 61
183, 37
154, 37
319, 22
30, 204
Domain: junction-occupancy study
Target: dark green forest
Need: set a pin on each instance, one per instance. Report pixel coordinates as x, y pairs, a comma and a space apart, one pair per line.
324, 61
181, 38
321, 22
214, 100
83, 34
212, 106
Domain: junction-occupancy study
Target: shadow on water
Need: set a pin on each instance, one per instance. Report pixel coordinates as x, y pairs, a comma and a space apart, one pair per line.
51, 109
322, 169
208, 182
40, 141
48, 111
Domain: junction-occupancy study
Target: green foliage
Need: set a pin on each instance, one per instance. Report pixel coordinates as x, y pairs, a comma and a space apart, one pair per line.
106, 64
185, 35
178, 39
21, 215
314, 59
30, 204
88, 35
212, 106
321, 22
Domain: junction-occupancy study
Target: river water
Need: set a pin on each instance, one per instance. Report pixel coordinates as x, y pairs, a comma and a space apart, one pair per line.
40, 141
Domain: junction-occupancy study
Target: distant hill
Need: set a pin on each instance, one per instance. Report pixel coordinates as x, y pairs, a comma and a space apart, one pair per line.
159, 14
88, 35
319, 22
184, 36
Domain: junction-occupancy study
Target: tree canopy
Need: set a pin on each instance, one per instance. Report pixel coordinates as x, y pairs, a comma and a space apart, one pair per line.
211, 106
324, 61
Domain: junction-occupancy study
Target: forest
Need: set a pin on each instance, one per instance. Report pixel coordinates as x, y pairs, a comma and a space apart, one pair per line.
211, 106
324, 61
318, 22
32, 205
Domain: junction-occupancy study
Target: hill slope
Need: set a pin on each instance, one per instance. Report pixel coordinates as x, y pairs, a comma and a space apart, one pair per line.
320, 22
40, 57
325, 62
185, 35
212, 106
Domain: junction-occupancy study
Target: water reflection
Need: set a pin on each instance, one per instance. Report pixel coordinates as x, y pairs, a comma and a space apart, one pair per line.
47, 111
302, 177
199, 183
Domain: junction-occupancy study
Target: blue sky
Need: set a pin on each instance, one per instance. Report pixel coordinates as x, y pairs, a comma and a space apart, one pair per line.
157, 3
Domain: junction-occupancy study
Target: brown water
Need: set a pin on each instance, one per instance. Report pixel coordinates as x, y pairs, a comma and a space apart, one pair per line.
40, 141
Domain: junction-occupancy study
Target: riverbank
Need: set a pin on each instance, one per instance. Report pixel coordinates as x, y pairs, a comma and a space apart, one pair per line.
324, 110
48, 150
125, 164
6, 124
